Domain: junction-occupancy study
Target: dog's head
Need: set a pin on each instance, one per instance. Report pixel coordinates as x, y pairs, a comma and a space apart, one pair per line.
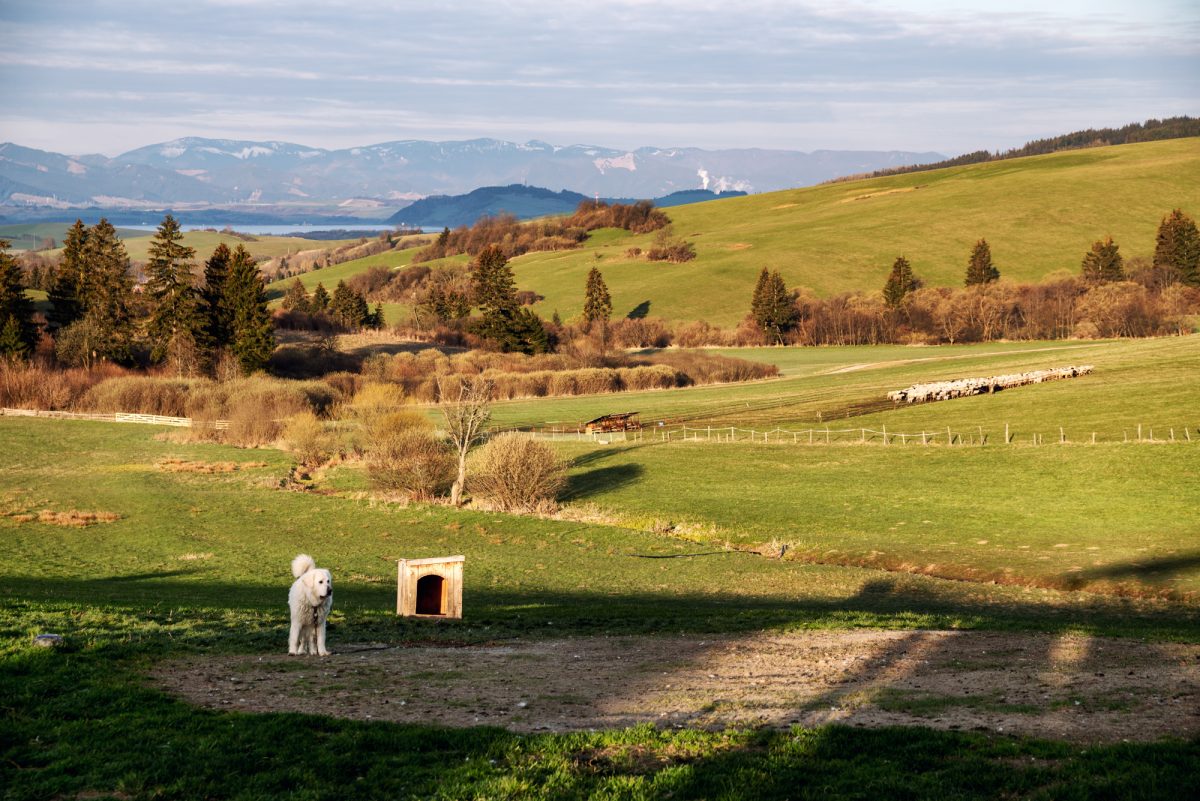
319, 585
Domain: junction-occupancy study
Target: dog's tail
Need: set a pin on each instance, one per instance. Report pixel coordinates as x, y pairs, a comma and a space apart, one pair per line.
302, 564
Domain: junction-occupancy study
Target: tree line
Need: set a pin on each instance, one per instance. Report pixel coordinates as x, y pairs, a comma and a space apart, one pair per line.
193, 324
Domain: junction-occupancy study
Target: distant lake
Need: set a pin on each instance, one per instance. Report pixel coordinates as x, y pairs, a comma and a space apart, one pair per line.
278, 230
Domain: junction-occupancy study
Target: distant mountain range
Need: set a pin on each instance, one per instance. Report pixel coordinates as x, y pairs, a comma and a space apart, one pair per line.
282, 178
523, 202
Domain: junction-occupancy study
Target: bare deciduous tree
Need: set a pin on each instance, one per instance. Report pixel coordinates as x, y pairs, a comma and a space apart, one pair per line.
465, 415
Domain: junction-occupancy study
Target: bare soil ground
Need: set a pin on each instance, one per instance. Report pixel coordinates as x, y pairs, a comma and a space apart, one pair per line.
1069, 687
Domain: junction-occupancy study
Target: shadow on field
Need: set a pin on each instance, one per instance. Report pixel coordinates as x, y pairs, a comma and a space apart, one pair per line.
1154, 572
601, 480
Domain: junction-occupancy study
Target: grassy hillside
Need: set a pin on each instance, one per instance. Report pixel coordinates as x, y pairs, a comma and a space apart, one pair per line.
25, 236
1040, 214
1149, 381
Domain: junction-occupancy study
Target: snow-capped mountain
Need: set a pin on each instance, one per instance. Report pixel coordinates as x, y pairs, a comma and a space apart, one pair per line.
220, 171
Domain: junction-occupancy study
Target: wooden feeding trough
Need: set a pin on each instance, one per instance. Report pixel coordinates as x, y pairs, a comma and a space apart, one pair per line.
430, 587
626, 421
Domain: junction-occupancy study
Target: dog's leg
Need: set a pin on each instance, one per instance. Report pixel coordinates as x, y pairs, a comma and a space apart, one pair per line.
294, 638
321, 639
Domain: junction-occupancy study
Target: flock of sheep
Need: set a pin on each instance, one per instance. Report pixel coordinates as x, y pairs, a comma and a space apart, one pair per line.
962, 387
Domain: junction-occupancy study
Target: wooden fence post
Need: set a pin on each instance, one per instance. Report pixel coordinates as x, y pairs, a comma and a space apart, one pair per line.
1007, 441
885, 442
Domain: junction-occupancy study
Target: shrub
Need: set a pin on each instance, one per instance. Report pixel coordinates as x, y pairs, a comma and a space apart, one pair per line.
307, 437
408, 458
142, 394
514, 473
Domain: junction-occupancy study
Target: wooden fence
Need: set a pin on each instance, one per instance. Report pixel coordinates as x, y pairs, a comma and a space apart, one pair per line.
868, 436
118, 417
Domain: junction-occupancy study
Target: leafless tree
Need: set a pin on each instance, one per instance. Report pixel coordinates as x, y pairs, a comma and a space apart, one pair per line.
465, 415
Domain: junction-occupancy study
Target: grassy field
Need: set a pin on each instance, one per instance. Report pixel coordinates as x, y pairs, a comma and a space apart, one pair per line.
197, 563
26, 236
1039, 214
1146, 382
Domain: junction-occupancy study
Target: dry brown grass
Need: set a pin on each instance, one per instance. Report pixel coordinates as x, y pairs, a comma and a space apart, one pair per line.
75, 518
208, 468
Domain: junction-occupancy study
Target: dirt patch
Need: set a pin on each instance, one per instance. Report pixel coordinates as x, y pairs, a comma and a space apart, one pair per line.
1068, 687
208, 468
740, 246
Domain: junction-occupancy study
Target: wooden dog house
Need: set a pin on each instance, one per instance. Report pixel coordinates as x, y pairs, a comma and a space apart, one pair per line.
430, 587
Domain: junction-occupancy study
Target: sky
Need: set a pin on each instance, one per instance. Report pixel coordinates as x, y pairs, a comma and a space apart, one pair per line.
108, 76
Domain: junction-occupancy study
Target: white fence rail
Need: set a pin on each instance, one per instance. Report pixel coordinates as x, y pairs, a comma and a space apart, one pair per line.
118, 417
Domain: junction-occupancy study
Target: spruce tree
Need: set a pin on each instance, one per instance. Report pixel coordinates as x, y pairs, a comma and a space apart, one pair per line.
980, 269
18, 332
503, 320
319, 302
771, 306
1177, 247
253, 335
106, 293
66, 304
348, 308
1103, 263
174, 311
900, 282
597, 303
296, 298
377, 319
218, 313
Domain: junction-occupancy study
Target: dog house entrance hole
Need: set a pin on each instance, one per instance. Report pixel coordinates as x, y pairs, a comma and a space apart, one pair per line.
429, 595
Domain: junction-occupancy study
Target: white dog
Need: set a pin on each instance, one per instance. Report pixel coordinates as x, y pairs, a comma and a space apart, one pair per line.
310, 600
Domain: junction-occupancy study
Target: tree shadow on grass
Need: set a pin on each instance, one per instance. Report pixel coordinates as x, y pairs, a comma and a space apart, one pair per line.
601, 480
639, 312
1156, 573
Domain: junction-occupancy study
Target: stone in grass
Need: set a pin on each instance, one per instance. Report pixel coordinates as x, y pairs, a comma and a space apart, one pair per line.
48, 640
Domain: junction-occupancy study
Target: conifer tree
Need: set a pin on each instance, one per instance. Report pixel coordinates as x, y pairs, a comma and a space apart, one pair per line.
597, 303
105, 295
771, 305
1177, 246
1103, 263
18, 332
296, 298
376, 320
319, 302
175, 312
253, 335
349, 308
980, 269
66, 304
503, 320
900, 282
218, 313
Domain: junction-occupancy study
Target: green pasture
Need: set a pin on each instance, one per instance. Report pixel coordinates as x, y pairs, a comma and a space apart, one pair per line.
1107, 517
25, 236
1148, 381
198, 563
1039, 214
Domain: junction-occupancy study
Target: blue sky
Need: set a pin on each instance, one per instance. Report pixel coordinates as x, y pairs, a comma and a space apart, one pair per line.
108, 76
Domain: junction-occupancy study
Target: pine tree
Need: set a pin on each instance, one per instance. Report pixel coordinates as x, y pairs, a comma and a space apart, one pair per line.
174, 300
1103, 263
66, 304
503, 320
1177, 247
296, 298
597, 303
18, 332
900, 282
253, 335
105, 294
319, 302
376, 320
980, 269
771, 306
349, 308
218, 313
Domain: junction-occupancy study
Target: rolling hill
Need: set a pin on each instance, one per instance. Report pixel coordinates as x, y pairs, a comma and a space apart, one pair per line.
1039, 214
